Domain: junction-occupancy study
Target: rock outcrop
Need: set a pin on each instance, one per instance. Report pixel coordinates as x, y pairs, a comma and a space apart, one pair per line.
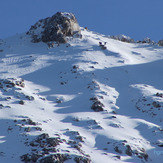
123, 38
160, 42
55, 28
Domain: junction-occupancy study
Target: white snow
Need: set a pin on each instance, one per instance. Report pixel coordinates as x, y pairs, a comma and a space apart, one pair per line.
119, 77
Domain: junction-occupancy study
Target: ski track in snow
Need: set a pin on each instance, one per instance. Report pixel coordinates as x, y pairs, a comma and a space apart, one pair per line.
125, 78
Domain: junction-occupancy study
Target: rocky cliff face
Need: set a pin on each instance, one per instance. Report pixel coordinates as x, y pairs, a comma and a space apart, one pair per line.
55, 28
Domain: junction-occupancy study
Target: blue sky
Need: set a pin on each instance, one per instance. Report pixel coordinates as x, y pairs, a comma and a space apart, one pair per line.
135, 18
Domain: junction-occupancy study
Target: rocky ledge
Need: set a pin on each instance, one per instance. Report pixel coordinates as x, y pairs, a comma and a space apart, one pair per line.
55, 28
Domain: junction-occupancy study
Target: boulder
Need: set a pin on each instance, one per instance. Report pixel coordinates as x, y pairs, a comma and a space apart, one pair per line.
55, 28
97, 106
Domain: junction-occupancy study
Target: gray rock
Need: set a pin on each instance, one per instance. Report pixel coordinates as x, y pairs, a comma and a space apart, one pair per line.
117, 150
54, 158
81, 159
146, 40
52, 141
55, 28
41, 137
1, 106
123, 38
30, 98
160, 42
30, 157
128, 150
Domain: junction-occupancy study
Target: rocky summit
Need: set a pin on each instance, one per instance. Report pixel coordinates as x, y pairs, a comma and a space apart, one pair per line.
55, 28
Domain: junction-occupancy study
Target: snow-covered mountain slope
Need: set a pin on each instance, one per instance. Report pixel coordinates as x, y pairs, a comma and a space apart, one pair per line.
78, 102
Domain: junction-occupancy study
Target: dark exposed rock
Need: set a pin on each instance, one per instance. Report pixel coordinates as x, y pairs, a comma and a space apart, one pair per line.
1, 106
81, 159
159, 94
52, 141
80, 138
142, 155
21, 102
74, 132
50, 149
93, 85
41, 137
25, 158
146, 40
35, 157
44, 149
75, 68
151, 106
114, 112
30, 98
160, 42
54, 158
30, 122
123, 147
8, 83
156, 104
46, 145
94, 99
117, 150
118, 157
63, 83
75, 135
78, 147
38, 128
46, 142
58, 101
145, 156
128, 150
160, 143
30, 157
20, 83
8, 98
97, 106
55, 28
27, 129
11, 82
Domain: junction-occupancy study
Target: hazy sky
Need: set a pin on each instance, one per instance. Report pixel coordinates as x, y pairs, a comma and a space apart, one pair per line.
135, 18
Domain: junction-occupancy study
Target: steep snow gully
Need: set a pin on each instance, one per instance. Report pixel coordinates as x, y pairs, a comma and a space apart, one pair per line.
92, 99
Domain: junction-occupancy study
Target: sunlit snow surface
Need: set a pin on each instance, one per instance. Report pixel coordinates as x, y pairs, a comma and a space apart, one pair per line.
125, 78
